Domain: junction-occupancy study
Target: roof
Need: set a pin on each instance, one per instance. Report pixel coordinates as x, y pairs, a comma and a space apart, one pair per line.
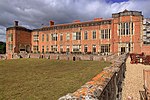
18, 28
76, 24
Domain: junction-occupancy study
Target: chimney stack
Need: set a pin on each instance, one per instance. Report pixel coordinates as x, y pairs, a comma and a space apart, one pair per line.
98, 19
76, 21
16, 23
51, 23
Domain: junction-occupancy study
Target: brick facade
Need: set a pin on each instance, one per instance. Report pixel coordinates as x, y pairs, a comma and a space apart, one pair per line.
119, 34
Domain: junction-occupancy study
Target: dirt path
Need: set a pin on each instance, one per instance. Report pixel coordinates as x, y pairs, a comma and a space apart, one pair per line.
133, 82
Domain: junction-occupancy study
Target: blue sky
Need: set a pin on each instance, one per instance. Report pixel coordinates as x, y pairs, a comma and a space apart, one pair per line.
33, 13
116, 0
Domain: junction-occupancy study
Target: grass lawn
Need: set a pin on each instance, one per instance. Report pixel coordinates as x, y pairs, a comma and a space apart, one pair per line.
32, 79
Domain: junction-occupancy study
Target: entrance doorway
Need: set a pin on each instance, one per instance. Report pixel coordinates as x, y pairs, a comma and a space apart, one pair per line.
123, 50
28, 49
22, 48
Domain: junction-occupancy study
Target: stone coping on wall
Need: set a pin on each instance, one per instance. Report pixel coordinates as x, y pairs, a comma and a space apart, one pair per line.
93, 89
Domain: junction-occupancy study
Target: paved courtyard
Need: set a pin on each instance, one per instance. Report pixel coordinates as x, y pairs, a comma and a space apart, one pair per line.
133, 82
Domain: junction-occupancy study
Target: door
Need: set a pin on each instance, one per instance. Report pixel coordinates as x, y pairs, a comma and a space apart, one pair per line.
123, 50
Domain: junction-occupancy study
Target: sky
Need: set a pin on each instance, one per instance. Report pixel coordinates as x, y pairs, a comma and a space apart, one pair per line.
33, 13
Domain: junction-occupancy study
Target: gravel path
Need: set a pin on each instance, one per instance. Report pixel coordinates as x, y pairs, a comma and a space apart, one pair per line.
133, 82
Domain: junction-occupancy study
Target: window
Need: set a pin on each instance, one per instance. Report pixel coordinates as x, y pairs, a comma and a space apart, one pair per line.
35, 48
61, 37
74, 36
124, 28
68, 48
47, 49
77, 36
43, 49
102, 34
54, 48
119, 29
109, 33
54, 37
132, 26
94, 35
127, 28
94, 48
36, 38
105, 48
85, 35
85, 48
61, 48
42, 37
105, 34
76, 48
10, 47
68, 36
10, 37
47, 37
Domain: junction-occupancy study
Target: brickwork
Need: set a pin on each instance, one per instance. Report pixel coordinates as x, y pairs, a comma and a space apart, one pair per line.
120, 34
105, 86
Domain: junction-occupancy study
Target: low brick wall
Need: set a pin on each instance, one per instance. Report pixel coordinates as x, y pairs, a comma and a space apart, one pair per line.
105, 86
3, 56
64, 56
68, 57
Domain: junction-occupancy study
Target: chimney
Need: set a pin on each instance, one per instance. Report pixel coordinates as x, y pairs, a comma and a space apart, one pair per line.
51, 23
76, 21
98, 19
15, 23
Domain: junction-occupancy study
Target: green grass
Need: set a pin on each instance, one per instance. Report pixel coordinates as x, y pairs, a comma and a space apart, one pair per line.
42, 79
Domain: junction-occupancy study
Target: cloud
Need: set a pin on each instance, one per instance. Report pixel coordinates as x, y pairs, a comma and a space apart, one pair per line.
34, 13
2, 33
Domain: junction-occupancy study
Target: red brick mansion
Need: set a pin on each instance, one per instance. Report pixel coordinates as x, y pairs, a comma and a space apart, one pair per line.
120, 34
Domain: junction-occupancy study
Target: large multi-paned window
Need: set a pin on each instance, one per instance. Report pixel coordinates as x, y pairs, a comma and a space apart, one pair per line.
85, 48
76, 48
42, 37
10, 47
105, 48
54, 37
10, 37
68, 36
85, 35
61, 37
76, 36
105, 34
124, 28
94, 35
54, 48
36, 38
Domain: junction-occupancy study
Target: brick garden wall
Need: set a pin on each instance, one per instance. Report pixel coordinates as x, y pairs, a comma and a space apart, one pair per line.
105, 86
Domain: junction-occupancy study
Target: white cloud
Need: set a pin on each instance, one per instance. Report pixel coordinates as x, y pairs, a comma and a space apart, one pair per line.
33, 13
